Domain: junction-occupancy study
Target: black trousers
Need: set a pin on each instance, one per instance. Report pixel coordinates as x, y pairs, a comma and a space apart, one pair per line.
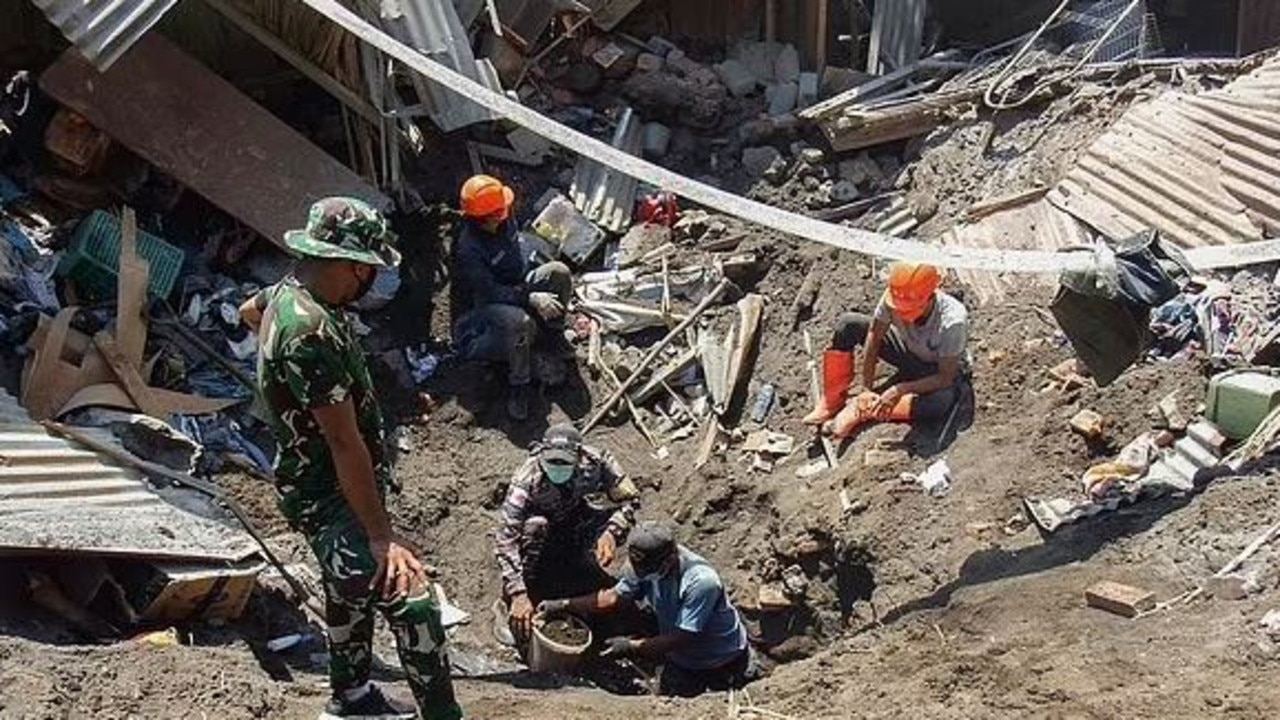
851, 332
686, 682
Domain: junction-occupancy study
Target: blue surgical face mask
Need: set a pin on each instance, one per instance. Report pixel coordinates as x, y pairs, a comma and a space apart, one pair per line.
558, 474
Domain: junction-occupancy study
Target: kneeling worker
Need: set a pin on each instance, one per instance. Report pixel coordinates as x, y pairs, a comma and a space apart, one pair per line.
568, 508
701, 641
499, 303
918, 329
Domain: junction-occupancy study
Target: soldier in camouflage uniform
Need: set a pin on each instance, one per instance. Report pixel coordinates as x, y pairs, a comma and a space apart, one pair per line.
332, 470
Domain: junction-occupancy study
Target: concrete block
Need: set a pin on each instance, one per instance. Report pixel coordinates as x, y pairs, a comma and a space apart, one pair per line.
657, 138
808, 89
758, 160
1124, 600
736, 77
786, 69
649, 62
844, 192
759, 58
782, 98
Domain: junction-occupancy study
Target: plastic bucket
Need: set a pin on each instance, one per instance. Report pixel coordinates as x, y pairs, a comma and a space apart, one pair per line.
547, 654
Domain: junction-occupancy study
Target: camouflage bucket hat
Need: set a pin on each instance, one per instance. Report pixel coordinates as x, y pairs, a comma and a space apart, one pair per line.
344, 228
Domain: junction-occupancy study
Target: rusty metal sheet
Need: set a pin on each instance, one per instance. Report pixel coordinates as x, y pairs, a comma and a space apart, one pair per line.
56, 497
192, 124
1199, 168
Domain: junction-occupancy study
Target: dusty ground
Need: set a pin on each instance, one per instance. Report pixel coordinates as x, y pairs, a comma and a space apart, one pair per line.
915, 602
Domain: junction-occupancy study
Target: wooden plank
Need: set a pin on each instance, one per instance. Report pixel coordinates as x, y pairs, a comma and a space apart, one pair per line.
135, 271
193, 125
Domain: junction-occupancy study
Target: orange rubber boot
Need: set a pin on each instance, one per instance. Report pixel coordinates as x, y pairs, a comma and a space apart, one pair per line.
901, 412
860, 411
837, 375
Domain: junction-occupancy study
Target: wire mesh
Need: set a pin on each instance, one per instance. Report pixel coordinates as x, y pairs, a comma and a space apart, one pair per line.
1130, 30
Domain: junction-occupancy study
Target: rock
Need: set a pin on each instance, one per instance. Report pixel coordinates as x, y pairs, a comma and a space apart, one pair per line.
844, 192
782, 98
657, 139
794, 582
808, 89
1089, 424
675, 100
648, 62
584, 78
759, 160
687, 67
786, 69
736, 77
861, 170
1271, 623
772, 599
759, 59
1228, 587
811, 155
1123, 600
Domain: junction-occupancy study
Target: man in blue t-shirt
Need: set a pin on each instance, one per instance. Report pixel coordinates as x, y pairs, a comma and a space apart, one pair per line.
700, 639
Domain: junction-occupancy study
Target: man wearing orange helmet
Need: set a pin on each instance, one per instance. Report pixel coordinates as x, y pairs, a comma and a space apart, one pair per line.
918, 329
499, 302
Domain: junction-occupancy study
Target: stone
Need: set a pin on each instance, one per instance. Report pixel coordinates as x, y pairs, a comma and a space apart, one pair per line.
687, 67
777, 172
811, 155
648, 62
661, 46
844, 192
1089, 424
772, 599
736, 77
782, 98
861, 170
759, 58
786, 69
657, 139
759, 160
1124, 600
794, 582
1228, 587
808, 89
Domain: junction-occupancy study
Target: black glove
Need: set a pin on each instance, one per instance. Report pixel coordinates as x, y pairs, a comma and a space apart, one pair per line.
551, 607
618, 647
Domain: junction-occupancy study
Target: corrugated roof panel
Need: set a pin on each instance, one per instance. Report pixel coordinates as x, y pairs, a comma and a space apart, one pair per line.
58, 497
1200, 169
104, 29
605, 196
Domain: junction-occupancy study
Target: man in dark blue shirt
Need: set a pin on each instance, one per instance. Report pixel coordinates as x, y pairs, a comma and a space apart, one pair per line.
701, 640
499, 302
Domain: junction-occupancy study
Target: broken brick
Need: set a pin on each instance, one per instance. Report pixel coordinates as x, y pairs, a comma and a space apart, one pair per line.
1124, 600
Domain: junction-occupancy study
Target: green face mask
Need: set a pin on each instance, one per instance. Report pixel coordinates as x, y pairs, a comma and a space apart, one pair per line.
557, 473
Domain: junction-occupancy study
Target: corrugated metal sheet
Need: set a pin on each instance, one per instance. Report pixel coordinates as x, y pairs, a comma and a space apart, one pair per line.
897, 28
434, 29
1199, 168
104, 29
58, 497
607, 197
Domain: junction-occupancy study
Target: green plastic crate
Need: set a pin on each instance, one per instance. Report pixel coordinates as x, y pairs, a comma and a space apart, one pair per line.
93, 259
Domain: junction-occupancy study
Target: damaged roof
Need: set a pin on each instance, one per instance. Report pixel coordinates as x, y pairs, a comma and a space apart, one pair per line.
104, 29
1198, 168
58, 497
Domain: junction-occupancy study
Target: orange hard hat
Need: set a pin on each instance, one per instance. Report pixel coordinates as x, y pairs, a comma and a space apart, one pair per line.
485, 196
911, 289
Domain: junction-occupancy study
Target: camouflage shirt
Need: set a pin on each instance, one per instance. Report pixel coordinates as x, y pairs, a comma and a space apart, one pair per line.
309, 358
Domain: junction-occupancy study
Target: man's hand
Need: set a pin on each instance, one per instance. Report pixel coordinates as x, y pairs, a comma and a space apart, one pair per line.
606, 549
522, 615
618, 647
398, 570
547, 305
888, 399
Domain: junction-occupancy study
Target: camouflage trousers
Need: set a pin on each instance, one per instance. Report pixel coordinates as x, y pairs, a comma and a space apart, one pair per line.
347, 567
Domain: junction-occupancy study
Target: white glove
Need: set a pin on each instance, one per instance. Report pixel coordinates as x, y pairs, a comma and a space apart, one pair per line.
546, 305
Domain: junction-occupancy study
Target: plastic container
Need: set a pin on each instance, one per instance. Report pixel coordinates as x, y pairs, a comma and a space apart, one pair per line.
93, 259
547, 655
1239, 400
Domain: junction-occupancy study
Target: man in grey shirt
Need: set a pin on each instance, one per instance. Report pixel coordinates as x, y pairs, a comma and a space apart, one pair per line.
918, 329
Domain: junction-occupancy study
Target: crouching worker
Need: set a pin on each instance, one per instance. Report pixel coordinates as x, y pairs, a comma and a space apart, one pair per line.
918, 329
500, 304
701, 641
332, 473
568, 509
